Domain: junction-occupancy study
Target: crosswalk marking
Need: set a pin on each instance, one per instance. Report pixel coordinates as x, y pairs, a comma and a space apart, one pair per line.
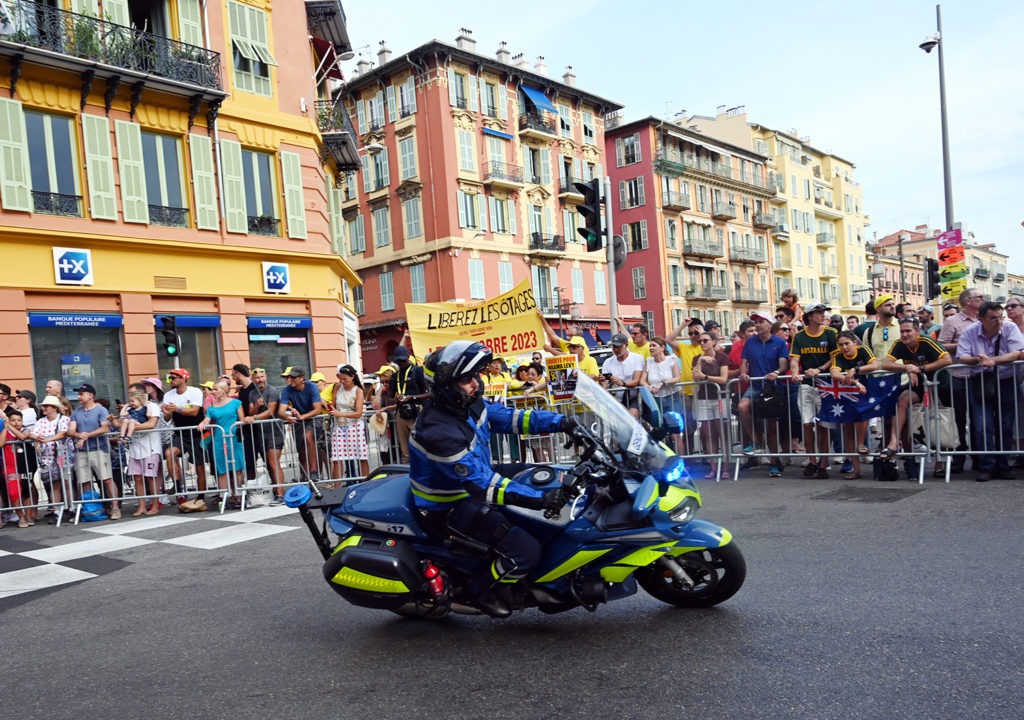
39, 578
227, 536
256, 514
85, 548
140, 524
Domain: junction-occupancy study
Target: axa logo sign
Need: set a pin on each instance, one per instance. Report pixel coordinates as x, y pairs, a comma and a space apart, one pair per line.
276, 278
72, 266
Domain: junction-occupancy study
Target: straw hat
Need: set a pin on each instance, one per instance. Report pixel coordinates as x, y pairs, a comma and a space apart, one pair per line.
379, 423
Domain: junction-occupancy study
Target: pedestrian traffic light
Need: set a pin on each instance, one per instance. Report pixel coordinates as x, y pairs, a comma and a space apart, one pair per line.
932, 283
172, 343
590, 209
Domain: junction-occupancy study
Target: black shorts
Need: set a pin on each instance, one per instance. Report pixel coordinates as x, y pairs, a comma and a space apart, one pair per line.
190, 442
258, 441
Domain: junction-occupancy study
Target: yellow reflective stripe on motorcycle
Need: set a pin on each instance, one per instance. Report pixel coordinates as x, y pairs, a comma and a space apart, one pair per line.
351, 540
378, 477
616, 573
576, 561
494, 570
645, 556
500, 500
653, 497
439, 498
676, 495
726, 538
361, 581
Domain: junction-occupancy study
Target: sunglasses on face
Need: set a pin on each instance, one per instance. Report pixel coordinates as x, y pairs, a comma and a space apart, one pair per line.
784, 328
1012, 307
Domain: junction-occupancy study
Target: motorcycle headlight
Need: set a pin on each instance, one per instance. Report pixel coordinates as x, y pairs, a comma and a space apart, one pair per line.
679, 503
684, 511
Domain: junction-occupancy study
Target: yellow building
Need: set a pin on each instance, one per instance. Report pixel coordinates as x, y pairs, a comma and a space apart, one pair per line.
160, 162
818, 243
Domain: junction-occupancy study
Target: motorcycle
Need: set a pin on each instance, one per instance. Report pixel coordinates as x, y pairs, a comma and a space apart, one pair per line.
630, 523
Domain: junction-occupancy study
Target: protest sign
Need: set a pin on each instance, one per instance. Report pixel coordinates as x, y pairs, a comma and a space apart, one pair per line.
562, 371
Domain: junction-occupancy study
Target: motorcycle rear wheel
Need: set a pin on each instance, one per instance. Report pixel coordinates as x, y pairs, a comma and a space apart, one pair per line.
718, 573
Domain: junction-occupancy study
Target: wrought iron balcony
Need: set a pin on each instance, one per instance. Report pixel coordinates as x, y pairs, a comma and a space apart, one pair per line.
169, 216
405, 110
339, 135
264, 225
701, 291
826, 239
567, 186
536, 123
750, 295
49, 203
668, 164
703, 248
675, 201
59, 38
742, 253
982, 272
723, 211
781, 231
461, 102
999, 277
764, 220
499, 173
547, 244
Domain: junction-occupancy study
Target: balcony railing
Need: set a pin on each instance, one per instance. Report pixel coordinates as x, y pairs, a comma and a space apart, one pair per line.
339, 135
826, 239
764, 220
264, 225
530, 121
741, 253
781, 230
169, 216
668, 164
461, 102
39, 25
49, 203
707, 292
567, 186
705, 248
723, 211
671, 200
982, 272
539, 242
750, 295
405, 110
999, 277
502, 172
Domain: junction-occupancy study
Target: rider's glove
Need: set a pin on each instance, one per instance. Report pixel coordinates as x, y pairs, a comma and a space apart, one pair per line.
555, 499
568, 425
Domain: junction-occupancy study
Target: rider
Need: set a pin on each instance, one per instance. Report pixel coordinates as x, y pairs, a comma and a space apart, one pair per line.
453, 482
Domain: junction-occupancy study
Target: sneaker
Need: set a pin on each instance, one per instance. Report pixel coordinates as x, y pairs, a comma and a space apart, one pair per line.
810, 470
750, 464
278, 500
847, 467
821, 472
115, 513
750, 449
774, 471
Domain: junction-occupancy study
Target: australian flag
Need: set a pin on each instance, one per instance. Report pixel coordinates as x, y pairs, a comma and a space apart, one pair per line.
842, 403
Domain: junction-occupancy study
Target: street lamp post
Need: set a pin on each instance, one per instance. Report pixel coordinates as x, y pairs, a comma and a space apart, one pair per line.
930, 42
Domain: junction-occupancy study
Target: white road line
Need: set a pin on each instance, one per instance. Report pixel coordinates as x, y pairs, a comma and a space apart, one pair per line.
227, 536
256, 514
140, 524
39, 578
85, 548
3, 552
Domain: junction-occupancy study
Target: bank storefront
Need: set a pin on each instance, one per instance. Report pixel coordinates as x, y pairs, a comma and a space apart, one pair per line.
78, 348
276, 343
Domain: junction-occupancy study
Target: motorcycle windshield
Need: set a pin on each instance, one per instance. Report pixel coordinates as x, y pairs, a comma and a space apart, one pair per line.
607, 418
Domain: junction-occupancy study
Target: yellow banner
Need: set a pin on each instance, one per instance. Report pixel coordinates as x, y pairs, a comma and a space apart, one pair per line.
507, 324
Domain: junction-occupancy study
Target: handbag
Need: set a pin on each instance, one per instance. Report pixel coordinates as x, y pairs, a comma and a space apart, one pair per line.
770, 402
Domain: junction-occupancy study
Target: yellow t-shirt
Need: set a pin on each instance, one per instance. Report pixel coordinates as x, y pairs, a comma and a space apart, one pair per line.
327, 395
588, 366
687, 352
644, 352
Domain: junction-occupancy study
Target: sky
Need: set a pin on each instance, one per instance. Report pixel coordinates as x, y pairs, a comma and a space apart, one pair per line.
851, 77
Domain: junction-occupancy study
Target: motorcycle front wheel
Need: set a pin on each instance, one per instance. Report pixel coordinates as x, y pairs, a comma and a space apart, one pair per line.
717, 574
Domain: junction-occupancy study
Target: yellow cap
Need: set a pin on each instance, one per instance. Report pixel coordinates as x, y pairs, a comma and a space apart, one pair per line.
882, 300
317, 376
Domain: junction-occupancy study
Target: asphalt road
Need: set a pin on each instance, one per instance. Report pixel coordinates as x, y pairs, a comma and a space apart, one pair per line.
862, 600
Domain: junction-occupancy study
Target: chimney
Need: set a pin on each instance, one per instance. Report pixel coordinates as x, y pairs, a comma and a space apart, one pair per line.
384, 54
465, 40
503, 54
362, 66
541, 67
570, 77
520, 62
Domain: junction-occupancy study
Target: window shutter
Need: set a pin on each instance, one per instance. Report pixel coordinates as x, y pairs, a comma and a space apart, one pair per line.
472, 82
492, 206
618, 152
451, 86
643, 234
599, 174
567, 227
549, 227
204, 183
14, 162
640, 190
234, 186
258, 35
360, 118
134, 202
545, 166
190, 23
87, 7
511, 205
626, 238
502, 102
337, 221
360, 227
482, 203
561, 169
116, 11
99, 167
622, 195
367, 181
294, 201
460, 200
385, 166
392, 108
411, 94
527, 165
577, 169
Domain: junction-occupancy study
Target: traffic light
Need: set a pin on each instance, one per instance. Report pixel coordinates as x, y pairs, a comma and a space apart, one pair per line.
172, 343
590, 209
932, 283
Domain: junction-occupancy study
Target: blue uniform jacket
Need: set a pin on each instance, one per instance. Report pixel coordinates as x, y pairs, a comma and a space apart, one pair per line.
450, 455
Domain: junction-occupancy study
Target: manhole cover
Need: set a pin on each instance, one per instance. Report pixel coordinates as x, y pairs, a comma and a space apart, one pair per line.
868, 494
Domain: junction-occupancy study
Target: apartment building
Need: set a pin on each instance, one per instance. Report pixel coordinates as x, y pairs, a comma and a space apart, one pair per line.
467, 186
986, 266
160, 160
695, 215
819, 236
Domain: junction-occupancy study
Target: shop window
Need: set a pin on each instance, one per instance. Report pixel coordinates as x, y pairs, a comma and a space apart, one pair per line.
76, 349
199, 352
277, 343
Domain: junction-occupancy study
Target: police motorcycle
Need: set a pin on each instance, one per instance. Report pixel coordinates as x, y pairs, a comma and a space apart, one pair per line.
630, 523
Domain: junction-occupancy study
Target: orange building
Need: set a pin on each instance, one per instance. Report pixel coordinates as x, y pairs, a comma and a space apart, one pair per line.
466, 187
170, 159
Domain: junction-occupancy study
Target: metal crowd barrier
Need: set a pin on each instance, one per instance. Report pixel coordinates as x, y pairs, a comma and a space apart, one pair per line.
29, 481
981, 417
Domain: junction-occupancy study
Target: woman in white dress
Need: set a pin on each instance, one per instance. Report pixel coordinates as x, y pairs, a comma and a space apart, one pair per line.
348, 436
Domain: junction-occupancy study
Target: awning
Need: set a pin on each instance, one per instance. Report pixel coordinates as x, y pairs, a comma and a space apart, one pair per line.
496, 133
698, 221
539, 99
328, 58
695, 263
603, 335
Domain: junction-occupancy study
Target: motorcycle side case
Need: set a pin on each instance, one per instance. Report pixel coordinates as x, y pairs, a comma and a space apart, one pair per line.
374, 573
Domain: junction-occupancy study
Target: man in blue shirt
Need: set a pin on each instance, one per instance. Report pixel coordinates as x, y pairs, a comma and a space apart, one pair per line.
300, 404
89, 427
764, 356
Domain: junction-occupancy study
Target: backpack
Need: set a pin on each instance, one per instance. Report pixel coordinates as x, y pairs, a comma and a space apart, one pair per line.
92, 511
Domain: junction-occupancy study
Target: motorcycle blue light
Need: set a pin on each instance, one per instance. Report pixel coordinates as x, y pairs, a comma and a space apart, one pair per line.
297, 495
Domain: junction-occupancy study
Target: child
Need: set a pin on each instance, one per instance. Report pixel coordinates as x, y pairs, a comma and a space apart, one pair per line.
133, 414
852, 360
15, 468
144, 453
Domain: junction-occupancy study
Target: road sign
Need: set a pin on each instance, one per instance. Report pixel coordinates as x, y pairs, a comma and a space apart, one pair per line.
951, 255
950, 238
276, 278
952, 290
949, 273
72, 266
